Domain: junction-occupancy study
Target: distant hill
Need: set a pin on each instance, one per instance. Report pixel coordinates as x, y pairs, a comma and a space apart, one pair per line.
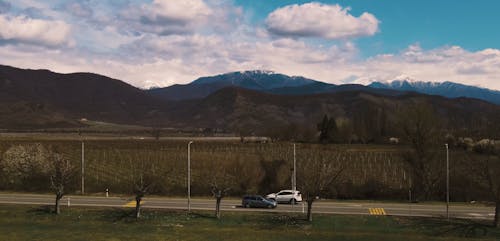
321, 88
41, 98
242, 109
447, 89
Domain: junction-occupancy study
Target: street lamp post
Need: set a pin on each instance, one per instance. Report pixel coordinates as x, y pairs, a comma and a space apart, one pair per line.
189, 176
447, 183
294, 180
83, 168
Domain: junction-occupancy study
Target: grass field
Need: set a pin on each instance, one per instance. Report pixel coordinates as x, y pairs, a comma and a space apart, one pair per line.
37, 223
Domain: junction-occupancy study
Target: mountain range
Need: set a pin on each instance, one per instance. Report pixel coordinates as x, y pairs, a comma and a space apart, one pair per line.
263, 81
270, 82
256, 102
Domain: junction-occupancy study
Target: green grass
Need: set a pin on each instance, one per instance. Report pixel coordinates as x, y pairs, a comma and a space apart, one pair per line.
37, 223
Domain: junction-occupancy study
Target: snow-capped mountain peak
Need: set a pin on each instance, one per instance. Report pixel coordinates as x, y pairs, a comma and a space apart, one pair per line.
447, 89
406, 78
254, 79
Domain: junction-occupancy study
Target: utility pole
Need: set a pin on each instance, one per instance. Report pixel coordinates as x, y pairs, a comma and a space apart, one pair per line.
294, 175
447, 183
189, 176
83, 168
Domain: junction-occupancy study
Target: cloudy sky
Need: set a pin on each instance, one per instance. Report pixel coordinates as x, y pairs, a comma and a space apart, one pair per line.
161, 42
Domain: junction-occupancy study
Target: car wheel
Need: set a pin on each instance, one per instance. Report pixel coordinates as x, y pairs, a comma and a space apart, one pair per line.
269, 206
293, 201
247, 205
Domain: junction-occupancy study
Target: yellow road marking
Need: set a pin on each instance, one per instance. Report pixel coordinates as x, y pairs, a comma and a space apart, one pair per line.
131, 204
377, 211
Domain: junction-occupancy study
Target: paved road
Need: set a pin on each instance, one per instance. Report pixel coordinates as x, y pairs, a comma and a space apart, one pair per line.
330, 207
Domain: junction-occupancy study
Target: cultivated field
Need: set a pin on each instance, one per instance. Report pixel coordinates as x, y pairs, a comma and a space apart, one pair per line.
371, 171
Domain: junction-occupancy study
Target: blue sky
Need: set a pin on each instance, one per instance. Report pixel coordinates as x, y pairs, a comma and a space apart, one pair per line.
163, 42
469, 24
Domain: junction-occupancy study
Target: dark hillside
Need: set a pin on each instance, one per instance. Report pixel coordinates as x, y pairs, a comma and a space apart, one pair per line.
46, 98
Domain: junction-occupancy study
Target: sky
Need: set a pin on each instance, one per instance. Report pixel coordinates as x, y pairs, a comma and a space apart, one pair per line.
157, 43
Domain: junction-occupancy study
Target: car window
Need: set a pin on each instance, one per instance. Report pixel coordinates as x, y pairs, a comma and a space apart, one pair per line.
284, 193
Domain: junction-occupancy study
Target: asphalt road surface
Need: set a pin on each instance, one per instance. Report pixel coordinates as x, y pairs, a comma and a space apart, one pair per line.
470, 211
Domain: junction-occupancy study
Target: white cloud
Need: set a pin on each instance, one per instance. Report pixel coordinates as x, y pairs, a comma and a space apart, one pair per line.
320, 20
166, 17
450, 63
80, 9
209, 55
176, 12
22, 29
165, 60
180, 46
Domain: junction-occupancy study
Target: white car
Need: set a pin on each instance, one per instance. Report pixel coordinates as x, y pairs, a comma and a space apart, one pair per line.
286, 196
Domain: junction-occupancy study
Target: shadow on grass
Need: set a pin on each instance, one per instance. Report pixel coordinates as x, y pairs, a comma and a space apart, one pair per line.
454, 227
42, 210
281, 221
202, 215
119, 215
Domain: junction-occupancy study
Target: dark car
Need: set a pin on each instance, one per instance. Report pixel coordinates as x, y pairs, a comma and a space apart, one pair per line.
256, 201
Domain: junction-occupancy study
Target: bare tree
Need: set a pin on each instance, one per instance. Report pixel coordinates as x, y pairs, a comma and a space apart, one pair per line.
219, 191
60, 171
144, 174
487, 166
316, 173
491, 171
419, 126
140, 189
220, 177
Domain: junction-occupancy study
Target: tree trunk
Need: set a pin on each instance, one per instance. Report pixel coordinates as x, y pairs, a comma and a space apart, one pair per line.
137, 207
217, 207
417, 187
309, 209
497, 214
57, 207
